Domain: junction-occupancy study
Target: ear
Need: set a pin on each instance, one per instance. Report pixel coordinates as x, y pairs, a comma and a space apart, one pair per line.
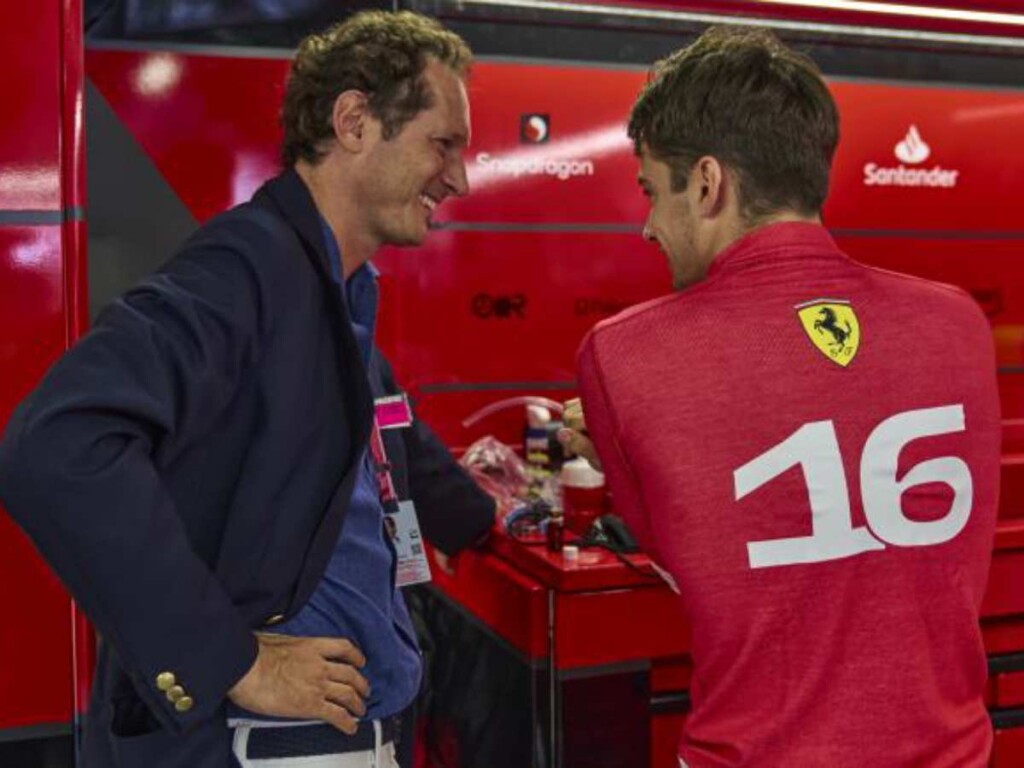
711, 186
349, 118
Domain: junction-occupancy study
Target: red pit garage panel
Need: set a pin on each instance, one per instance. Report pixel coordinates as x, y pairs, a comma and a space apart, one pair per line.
42, 310
548, 242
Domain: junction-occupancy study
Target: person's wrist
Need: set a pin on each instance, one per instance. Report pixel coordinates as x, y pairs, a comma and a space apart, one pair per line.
246, 681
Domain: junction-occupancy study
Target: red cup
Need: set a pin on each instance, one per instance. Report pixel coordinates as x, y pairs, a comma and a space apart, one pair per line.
582, 507
583, 495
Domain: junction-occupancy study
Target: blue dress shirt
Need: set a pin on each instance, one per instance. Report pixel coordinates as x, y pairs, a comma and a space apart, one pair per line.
357, 598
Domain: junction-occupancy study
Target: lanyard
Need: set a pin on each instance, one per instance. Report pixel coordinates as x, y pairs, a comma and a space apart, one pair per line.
382, 468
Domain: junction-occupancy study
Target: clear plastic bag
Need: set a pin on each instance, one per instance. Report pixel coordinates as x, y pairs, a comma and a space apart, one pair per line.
499, 471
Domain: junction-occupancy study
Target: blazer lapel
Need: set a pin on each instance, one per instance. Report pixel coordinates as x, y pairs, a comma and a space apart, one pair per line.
288, 194
288, 197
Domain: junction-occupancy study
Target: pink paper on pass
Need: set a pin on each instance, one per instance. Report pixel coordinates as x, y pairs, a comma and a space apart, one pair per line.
393, 412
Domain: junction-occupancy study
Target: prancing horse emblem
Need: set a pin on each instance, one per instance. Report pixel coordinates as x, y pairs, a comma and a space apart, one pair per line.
827, 321
832, 326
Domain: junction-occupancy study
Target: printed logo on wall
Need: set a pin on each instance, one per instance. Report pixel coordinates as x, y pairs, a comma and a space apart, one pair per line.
599, 307
486, 306
912, 150
534, 160
534, 128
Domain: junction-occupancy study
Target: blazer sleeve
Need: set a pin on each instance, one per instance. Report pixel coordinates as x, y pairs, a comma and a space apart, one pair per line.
79, 465
602, 424
452, 509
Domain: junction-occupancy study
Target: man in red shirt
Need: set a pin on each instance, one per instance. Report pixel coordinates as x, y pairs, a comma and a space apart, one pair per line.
808, 446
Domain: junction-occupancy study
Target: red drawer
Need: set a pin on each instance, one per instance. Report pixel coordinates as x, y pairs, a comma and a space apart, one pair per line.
665, 731
1006, 689
1011, 485
1008, 751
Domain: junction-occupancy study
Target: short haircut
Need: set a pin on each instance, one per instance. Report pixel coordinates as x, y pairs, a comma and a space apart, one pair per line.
760, 108
381, 53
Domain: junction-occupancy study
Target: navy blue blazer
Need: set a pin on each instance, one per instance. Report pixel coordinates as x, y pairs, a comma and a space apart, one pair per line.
187, 466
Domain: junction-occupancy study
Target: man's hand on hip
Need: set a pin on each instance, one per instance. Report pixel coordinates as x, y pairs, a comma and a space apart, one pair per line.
306, 678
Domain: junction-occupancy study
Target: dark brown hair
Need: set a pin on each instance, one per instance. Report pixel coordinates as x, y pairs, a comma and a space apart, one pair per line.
380, 53
757, 106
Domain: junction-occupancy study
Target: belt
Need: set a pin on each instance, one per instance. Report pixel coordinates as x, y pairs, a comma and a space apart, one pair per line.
319, 739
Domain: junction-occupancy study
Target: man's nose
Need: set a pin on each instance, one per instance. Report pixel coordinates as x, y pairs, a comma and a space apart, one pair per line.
456, 178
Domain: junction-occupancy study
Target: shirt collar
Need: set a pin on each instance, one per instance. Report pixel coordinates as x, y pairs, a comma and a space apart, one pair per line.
362, 295
334, 254
785, 240
359, 291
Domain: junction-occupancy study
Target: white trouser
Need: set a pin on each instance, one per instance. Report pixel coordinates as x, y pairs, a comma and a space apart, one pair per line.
381, 756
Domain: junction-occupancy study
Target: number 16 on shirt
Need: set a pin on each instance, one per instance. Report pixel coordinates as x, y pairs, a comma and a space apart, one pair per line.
815, 447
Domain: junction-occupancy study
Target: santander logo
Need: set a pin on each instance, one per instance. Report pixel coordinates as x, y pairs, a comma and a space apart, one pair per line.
912, 149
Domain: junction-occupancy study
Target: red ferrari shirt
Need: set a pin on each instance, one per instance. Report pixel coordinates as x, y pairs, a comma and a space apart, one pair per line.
810, 447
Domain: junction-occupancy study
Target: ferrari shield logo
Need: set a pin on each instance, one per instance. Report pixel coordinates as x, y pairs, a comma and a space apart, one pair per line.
832, 327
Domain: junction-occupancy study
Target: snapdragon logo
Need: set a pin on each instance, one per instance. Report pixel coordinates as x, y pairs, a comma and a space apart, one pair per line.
912, 150
534, 165
534, 129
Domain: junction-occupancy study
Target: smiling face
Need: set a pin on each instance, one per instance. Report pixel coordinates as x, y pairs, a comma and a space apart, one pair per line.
408, 176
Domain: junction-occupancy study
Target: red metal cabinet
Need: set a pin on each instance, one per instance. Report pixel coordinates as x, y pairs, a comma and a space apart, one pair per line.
604, 620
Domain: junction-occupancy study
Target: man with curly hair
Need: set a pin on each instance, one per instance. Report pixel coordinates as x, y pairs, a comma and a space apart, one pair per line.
204, 469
